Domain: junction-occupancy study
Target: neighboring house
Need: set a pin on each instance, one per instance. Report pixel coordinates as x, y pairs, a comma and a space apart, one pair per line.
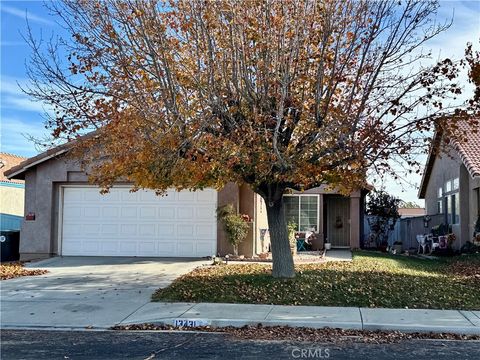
451, 184
68, 216
410, 212
12, 194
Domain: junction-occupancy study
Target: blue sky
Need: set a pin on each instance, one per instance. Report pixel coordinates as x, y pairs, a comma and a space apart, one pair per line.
20, 117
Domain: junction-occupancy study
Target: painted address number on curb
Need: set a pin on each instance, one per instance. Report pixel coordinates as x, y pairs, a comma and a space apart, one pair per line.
190, 322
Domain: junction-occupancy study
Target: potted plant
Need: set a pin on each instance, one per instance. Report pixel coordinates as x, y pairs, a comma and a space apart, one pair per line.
327, 244
450, 240
383, 247
235, 226
397, 247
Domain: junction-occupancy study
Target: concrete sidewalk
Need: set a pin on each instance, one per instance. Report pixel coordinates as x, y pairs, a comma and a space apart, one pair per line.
219, 315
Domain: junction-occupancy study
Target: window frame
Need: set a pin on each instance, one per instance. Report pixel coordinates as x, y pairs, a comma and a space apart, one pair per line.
317, 196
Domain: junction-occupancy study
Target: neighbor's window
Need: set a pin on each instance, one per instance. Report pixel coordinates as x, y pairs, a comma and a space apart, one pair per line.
440, 201
302, 210
455, 184
453, 208
440, 206
448, 186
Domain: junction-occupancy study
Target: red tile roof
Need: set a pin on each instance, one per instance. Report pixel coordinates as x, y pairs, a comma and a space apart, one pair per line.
7, 161
469, 151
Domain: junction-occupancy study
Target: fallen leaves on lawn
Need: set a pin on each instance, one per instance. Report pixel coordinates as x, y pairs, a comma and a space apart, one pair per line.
16, 269
370, 280
465, 269
302, 334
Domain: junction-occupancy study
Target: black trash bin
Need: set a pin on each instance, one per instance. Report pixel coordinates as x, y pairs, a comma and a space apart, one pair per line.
10, 245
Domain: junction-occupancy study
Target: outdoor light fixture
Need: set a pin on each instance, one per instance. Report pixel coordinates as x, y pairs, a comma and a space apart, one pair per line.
426, 220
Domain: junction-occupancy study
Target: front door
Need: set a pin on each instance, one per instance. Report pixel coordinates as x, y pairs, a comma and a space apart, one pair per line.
338, 221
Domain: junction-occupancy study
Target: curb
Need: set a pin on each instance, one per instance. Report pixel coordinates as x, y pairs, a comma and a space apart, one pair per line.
219, 323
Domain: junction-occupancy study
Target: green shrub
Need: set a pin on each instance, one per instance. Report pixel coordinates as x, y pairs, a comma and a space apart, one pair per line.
236, 228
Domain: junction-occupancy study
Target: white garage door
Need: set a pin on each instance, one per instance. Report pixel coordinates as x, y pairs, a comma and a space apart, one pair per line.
122, 223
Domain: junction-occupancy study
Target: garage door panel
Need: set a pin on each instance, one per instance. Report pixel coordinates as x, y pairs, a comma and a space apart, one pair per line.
166, 213
185, 213
72, 230
146, 247
147, 230
109, 247
128, 196
91, 212
167, 249
186, 248
166, 231
90, 229
127, 248
74, 195
206, 196
205, 247
128, 229
122, 223
109, 229
186, 196
91, 247
72, 212
185, 230
128, 212
205, 231
204, 212
109, 212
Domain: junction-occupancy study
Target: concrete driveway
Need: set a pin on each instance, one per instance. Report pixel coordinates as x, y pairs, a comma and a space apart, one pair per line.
86, 291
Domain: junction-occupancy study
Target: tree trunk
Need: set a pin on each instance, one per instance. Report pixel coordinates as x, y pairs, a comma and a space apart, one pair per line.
281, 253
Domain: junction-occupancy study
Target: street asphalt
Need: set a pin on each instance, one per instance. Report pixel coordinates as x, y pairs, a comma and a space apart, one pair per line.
72, 345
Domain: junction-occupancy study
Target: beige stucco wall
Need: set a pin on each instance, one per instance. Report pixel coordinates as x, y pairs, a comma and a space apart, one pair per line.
11, 200
261, 222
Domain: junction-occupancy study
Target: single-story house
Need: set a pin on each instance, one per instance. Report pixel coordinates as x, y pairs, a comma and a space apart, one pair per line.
12, 193
451, 184
65, 215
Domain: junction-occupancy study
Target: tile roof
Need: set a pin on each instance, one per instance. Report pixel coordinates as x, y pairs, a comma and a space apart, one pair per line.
7, 161
469, 150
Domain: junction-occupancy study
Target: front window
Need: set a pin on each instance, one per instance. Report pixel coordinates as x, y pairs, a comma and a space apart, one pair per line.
302, 210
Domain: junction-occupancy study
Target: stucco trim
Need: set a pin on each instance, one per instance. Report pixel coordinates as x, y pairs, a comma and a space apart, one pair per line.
432, 155
25, 165
12, 184
60, 220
